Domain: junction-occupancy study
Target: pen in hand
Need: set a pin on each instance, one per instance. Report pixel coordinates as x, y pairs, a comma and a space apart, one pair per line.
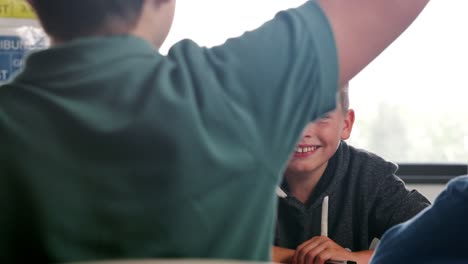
334, 261
324, 223
324, 231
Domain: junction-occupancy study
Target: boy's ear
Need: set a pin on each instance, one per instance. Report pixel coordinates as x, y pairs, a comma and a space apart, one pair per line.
348, 124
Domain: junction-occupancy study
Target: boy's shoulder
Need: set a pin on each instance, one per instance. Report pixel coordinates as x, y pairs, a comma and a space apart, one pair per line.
367, 160
361, 153
458, 186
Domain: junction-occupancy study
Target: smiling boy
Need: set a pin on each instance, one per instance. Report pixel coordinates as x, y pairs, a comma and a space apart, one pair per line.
365, 196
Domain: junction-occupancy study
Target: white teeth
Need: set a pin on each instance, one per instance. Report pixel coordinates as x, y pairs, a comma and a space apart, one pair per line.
305, 150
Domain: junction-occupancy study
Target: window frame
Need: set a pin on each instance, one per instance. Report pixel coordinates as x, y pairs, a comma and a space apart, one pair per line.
430, 173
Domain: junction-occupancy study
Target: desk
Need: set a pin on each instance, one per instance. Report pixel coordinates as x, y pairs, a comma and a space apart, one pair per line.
171, 261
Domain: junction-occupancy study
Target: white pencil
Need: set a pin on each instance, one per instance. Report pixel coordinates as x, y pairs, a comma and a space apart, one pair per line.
324, 232
280, 193
324, 223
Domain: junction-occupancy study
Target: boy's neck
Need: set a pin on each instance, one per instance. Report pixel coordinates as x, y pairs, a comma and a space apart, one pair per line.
302, 186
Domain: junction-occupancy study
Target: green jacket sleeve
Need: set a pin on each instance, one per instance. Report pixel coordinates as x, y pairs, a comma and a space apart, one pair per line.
273, 80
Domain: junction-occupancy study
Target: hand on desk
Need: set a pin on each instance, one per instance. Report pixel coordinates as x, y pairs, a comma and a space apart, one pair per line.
317, 250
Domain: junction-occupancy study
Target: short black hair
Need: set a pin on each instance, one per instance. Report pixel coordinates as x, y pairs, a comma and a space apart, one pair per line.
68, 19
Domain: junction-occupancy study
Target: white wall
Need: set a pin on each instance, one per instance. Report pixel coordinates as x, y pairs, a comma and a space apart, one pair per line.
429, 190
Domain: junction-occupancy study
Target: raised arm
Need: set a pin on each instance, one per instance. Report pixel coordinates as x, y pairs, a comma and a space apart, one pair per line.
364, 28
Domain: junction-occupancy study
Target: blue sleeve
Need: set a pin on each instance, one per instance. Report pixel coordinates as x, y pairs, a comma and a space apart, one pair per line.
439, 234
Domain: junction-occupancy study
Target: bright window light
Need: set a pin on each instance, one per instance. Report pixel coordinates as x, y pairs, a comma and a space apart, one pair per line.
411, 102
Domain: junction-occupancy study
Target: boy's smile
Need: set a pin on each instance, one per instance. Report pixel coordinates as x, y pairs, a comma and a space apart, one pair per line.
318, 143
304, 150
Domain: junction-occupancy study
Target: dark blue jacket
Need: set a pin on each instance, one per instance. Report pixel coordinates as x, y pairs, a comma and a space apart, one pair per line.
438, 234
366, 198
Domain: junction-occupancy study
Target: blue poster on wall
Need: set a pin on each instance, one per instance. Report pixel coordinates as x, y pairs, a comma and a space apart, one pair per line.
12, 53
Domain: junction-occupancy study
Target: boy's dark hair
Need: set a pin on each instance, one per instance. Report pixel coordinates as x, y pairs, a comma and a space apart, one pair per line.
343, 98
68, 19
